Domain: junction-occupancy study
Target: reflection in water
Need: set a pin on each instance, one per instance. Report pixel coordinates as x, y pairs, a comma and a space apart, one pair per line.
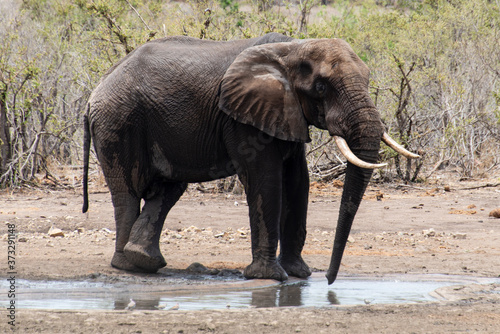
332, 298
276, 296
281, 295
150, 303
314, 292
290, 295
264, 297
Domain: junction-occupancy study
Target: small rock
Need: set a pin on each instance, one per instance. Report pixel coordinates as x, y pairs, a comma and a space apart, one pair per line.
196, 268
130, 305
80, 230
351, 240
421, 249
193, 229
429, 233
161, 307
495, 213
106, 230
55, 232
460, 235
22, 239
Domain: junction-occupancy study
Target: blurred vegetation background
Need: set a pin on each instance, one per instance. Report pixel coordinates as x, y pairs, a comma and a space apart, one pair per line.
435, 73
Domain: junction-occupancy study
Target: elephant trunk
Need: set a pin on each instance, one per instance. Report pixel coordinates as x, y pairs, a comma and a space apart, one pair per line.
364, 141
356, 180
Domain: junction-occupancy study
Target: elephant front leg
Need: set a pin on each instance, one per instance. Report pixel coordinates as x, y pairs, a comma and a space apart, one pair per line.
294, 215
264, 199
143, 247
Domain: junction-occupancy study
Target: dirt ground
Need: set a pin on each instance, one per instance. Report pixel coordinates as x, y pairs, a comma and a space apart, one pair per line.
441, 228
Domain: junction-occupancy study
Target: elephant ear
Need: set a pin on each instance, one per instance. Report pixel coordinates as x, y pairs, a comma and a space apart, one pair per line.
256, 90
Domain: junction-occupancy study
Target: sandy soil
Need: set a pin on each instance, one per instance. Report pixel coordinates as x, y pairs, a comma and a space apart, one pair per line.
399, 229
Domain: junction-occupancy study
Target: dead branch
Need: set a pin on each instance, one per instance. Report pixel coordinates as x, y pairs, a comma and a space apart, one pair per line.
487, 185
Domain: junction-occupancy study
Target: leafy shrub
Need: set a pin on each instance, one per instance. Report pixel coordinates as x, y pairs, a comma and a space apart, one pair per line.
434, 63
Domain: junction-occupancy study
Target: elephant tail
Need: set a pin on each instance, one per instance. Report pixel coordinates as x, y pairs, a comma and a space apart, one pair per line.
86, 156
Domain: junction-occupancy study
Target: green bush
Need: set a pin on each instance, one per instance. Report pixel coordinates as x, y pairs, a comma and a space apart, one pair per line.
435, 74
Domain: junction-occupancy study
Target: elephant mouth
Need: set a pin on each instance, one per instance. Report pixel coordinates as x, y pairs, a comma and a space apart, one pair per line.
352, 158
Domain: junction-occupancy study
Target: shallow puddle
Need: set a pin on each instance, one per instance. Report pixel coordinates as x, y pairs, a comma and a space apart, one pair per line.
313, 292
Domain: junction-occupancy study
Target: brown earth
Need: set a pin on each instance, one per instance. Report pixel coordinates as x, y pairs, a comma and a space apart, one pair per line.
398, 230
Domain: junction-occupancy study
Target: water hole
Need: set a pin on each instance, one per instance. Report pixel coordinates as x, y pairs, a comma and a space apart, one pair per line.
194, 294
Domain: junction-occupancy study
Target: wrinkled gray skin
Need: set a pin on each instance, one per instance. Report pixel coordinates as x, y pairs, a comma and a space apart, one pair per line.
179, 110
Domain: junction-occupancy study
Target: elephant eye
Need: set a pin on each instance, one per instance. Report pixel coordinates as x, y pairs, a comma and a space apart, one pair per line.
305, 68
320, 88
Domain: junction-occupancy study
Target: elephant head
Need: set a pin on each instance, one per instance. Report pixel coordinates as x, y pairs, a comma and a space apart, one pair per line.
283, 88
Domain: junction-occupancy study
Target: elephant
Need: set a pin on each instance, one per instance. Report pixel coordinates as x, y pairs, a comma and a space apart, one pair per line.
179, 110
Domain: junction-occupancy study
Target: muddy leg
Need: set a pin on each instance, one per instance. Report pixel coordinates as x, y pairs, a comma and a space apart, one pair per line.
143, 247
258, 160
264, 201
293, 216
126, 213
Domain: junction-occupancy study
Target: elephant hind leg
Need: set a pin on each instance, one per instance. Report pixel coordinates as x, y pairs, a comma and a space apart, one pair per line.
143, 246
126, 213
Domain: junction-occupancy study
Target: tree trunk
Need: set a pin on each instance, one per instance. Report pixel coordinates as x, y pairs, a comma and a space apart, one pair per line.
5, 150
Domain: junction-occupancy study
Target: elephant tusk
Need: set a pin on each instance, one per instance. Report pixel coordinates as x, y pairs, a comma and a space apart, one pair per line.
351, 157
398, 148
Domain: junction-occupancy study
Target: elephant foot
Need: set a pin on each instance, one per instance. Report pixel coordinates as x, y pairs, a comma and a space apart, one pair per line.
262, 269
295, 267
119, 261
149, 260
